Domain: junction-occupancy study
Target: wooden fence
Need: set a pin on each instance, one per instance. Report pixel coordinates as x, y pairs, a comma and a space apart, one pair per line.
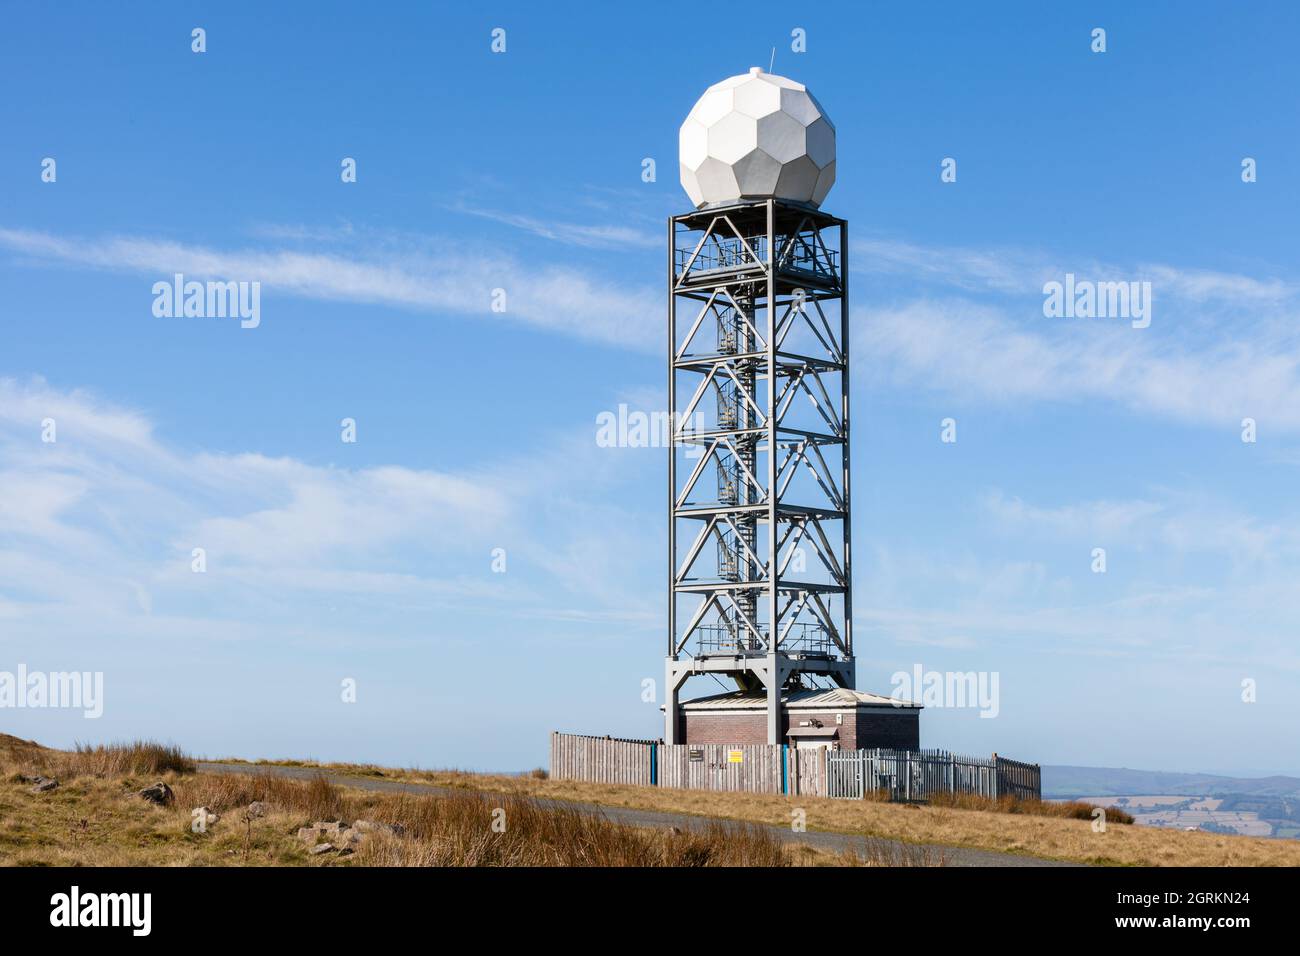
751, 769
745, 769
602, 759
806, 771
847, 774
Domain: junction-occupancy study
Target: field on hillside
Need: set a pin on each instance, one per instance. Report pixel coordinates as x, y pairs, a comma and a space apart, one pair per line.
1051, 837
1233, 813
86, 808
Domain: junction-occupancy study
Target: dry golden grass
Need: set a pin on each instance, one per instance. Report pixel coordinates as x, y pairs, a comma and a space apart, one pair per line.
101, 760
1050, 837
96, 818
457, 829
1073, 809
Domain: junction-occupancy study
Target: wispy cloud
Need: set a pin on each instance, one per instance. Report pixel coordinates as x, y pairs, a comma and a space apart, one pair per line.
302, 232
1147, 611
1103, 520
101, 524
434, 277
586, 235
1192, 365
1179, 522
1021, 271
977, 351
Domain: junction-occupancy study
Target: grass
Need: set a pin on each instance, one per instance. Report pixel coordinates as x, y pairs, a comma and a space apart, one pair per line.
96, 818
1048, 830
458, 829
1072, 810
115, 759
454, 831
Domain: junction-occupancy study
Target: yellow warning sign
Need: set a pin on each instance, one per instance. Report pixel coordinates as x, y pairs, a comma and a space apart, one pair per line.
735, 756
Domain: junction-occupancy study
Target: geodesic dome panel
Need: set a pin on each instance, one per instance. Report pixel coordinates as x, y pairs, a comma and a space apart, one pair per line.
754, 136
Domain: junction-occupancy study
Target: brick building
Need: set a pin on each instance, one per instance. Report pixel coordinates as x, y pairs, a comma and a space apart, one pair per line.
838, 718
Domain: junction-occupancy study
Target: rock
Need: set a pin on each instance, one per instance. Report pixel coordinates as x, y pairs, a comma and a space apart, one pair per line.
43, 785
320, 848
159, 793
308, 835
349, 836
257, 809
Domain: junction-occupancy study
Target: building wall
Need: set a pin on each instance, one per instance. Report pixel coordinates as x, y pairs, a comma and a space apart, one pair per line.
898, 731
862, 729
739, 729
847, 739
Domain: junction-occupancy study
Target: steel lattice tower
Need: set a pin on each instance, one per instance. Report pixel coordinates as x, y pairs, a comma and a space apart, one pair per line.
758, 387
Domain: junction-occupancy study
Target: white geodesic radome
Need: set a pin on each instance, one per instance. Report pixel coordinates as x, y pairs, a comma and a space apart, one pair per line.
757, 135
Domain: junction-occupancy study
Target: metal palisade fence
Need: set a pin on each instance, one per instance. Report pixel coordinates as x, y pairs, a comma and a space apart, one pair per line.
761, 768
915, 775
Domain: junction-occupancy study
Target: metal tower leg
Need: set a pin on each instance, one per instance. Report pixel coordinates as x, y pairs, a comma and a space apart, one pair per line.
775, 682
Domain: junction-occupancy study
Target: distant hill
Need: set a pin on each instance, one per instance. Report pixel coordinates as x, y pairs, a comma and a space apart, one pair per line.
1121, 782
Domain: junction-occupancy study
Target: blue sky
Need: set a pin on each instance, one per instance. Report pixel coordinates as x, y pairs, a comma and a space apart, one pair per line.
476, 430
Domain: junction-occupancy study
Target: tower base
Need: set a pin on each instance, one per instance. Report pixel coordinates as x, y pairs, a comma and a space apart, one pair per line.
772, 673
838, 718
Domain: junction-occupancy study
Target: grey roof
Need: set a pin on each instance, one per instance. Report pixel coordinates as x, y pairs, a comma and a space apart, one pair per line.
812, 698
